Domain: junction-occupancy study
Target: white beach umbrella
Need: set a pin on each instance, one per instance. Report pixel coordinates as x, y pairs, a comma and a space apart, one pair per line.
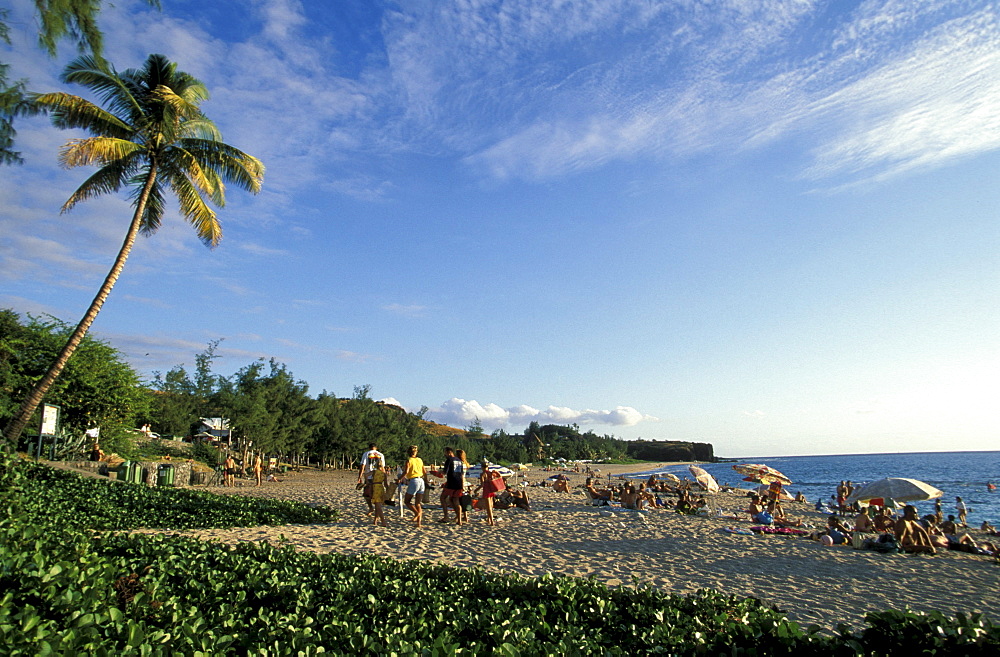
503, 470
895, 488
704, 479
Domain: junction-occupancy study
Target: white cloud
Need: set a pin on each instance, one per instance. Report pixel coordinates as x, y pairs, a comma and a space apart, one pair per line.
461, 412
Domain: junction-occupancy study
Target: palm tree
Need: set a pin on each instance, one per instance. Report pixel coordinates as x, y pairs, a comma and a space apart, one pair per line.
152, 135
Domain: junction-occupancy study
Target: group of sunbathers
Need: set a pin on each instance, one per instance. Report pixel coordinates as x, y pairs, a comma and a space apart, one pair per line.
643, 496
911, 533
769, 511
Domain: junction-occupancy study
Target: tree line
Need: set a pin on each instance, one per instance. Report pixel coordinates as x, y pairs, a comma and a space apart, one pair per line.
269, 410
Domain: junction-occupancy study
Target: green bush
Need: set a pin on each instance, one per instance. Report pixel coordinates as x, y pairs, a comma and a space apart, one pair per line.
46, 495
154, 449
210, 456
67, 590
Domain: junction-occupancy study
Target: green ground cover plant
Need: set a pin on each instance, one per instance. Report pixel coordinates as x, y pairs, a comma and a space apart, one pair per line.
46, 495
66, 590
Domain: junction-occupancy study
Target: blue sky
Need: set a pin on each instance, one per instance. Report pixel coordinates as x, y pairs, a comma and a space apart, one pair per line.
767, 225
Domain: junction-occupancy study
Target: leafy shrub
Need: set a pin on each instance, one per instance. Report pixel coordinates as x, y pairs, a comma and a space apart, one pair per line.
46, 495
202, 451
69, 591
156, 448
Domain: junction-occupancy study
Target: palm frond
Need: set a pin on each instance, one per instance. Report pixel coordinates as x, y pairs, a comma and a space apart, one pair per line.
96, 150
200, 174
152, 215
101, 78
69, 111
233, 165
200, 128
106, 180
197, 211
181, 106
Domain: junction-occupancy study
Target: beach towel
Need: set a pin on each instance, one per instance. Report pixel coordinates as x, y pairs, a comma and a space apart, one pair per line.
736, 530
788, 531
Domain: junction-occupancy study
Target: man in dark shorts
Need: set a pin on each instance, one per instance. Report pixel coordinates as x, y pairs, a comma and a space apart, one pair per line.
454, 485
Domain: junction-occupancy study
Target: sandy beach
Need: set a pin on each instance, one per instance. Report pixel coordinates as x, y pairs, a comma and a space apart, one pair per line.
564, 535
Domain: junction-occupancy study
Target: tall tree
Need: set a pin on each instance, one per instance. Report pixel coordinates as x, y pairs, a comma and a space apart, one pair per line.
97, 389
153, 136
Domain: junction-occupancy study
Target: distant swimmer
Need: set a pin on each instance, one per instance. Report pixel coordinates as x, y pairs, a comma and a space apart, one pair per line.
991, 486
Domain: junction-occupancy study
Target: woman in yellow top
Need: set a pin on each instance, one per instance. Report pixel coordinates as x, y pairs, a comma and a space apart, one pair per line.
413, 474
379, 479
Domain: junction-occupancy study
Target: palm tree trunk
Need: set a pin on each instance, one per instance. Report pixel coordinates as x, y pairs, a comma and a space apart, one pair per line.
16, 425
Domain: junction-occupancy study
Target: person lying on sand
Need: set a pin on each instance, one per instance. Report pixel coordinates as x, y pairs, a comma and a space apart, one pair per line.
835, 529
951, 540
911, 535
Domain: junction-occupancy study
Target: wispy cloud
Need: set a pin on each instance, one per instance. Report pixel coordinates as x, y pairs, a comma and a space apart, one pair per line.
411, 310
890, 90
266, 252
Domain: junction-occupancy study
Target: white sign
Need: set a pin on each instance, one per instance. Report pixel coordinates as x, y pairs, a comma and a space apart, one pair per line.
50, 420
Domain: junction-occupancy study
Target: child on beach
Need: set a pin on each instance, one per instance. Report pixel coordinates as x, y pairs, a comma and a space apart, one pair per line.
379, 478
465, 503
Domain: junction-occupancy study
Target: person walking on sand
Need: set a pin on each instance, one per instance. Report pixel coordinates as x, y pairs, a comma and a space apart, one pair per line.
461, 467
454, 484
229, 471
380, 478
365, 474
413, 477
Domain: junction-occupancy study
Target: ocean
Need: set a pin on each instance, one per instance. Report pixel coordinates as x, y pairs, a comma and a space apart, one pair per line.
962, 474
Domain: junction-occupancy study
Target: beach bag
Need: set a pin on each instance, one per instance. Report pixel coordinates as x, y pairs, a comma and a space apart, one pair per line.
885, 544
858, 540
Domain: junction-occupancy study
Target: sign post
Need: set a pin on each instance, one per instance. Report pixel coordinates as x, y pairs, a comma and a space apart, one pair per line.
50, 425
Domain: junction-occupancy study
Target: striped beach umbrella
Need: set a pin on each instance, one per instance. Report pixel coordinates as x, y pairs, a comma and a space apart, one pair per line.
762, 473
